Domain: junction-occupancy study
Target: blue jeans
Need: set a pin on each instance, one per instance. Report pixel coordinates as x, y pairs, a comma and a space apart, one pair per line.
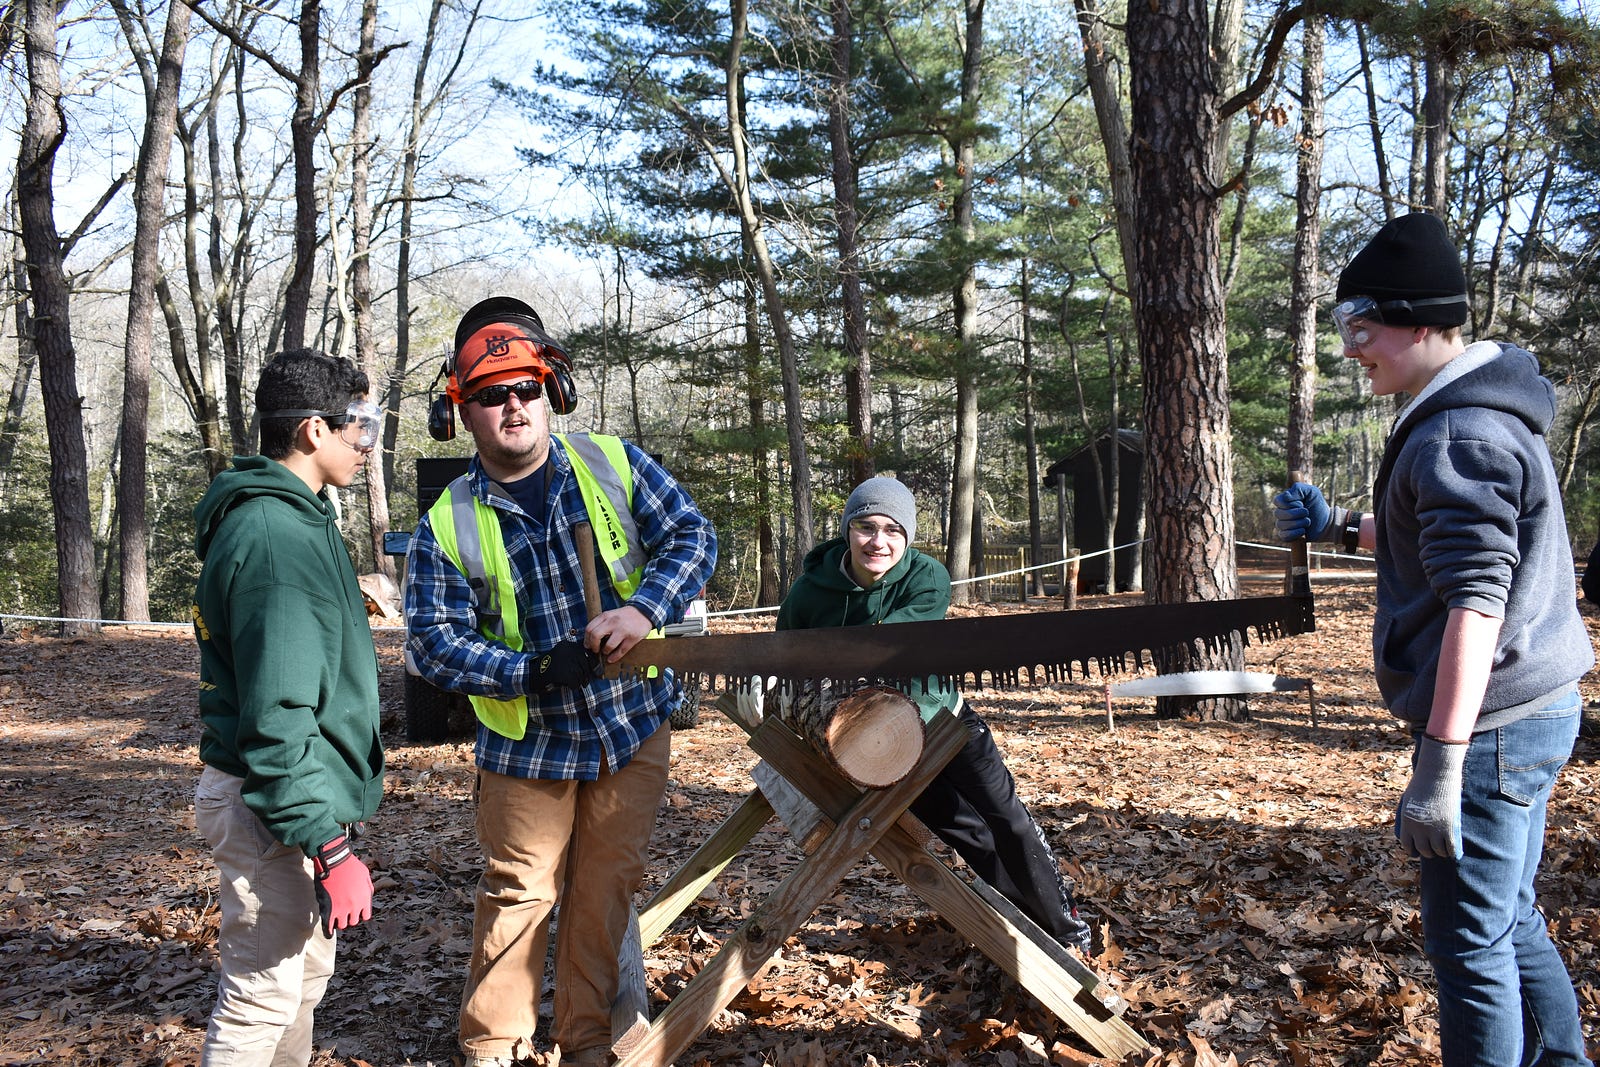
1505, 999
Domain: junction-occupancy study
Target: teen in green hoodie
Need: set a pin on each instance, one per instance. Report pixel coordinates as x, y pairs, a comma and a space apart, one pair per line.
289, 708
872, 575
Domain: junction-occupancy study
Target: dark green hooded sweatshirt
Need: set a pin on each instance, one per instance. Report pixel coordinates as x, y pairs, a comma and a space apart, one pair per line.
917, 589
288, 672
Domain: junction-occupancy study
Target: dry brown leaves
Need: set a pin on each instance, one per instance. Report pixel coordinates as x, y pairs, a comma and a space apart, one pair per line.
1242, 876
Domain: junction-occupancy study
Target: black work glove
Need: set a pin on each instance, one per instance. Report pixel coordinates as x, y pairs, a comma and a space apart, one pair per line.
568, 664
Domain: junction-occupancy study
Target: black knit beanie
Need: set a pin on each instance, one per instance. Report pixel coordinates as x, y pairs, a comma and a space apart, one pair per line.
1410, 259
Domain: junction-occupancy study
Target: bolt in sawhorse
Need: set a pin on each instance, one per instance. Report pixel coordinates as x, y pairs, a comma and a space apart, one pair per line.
863, 821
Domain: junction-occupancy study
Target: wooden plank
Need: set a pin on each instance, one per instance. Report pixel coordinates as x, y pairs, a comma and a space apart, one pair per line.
689, 880
1061, 981
804, 821
630, 1012
761, 935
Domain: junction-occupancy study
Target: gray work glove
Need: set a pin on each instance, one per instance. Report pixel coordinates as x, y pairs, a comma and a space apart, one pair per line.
1428, 820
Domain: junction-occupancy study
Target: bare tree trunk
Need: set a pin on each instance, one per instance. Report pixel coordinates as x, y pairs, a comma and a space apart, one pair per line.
361, 267
1031, 440
857, 354
42, 134
27, 360
1307, 245
769, 583
964, 525
228, 272
1585, 414
1438, 106
149, 197
737, 181
1374, 125
422, 107
1500, 189
302, 138
1528, 253
1107, 98
1416, 169
1178, 309
197, 391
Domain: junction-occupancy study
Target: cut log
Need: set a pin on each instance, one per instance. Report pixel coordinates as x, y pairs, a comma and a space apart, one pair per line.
873, 735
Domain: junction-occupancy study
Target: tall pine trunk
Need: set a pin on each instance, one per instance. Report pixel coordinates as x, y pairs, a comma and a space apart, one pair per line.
964, 530
1179, 316
1307, 246
847, 220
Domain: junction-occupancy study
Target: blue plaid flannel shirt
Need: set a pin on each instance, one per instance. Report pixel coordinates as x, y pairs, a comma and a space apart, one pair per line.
569, 730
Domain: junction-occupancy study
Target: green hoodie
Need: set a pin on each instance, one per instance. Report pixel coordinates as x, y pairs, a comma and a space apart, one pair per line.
917, 589
288, 672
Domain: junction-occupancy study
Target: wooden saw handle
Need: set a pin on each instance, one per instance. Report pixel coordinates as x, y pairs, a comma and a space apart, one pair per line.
583, 537
1297, 578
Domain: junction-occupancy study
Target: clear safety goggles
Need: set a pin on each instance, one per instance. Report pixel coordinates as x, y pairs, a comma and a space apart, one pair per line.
365, 416
1350, 315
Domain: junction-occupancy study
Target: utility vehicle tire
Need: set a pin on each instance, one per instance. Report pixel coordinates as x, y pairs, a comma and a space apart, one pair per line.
431, 714
686, 716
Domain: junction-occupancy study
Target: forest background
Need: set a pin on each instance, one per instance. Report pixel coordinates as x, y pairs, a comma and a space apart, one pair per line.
788, 243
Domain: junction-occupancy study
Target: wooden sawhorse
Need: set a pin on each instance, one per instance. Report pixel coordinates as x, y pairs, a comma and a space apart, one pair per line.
863, 821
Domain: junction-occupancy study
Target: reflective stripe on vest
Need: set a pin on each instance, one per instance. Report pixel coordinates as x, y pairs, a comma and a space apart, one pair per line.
600, 464
468, 532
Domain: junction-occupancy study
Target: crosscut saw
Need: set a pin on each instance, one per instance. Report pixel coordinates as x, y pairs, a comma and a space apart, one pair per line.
993, 650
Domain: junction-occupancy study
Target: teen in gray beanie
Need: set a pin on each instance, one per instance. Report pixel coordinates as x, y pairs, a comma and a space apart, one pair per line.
884, 496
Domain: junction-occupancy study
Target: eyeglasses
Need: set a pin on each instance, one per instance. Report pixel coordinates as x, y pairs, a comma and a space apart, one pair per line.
364, 415
868, 530
1348, 314
494, 395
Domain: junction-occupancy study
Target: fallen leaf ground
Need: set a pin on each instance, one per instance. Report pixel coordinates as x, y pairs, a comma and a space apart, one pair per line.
1241, 875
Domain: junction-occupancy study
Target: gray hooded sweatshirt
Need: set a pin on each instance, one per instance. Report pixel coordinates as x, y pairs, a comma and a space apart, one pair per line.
1469, 516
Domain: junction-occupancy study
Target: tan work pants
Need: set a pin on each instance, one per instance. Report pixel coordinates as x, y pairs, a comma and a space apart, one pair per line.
275, 963
586, 842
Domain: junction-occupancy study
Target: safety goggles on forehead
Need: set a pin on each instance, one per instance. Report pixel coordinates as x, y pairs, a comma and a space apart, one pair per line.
364, 415
1348, 315
493, 396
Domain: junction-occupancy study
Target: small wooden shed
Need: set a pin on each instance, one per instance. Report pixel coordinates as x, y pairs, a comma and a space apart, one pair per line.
1088, 513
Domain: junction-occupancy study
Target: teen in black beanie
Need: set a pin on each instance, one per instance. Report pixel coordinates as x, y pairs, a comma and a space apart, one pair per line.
1408, 261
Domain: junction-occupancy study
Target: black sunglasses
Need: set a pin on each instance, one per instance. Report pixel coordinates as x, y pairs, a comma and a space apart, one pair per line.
494, 395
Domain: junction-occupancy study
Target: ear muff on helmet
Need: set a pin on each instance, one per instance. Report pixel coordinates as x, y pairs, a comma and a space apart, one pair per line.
558, 384
442, 407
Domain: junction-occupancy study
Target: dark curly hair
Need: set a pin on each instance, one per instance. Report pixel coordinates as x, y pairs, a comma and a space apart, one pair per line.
307, 380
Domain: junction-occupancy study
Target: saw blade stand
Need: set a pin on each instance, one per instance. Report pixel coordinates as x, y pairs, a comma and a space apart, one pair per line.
839, 825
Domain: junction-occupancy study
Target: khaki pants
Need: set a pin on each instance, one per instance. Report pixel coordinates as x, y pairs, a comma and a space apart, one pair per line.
584, 842
275, 962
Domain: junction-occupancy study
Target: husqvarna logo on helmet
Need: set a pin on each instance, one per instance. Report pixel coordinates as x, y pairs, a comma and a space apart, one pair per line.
496, 346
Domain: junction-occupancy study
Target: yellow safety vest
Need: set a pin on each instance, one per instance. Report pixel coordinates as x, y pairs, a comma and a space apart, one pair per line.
468, 532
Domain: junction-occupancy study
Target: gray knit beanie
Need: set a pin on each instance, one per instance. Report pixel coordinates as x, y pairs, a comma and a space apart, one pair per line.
883, 496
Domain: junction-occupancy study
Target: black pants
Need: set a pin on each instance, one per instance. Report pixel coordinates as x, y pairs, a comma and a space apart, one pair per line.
973, 806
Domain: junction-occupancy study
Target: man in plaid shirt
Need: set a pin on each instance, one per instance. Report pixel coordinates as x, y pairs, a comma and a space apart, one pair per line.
571, 767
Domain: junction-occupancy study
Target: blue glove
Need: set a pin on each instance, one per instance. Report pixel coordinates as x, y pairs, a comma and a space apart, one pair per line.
1303, 513
1428, 821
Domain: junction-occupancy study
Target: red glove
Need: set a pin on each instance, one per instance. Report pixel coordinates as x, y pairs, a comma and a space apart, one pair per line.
344, 886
